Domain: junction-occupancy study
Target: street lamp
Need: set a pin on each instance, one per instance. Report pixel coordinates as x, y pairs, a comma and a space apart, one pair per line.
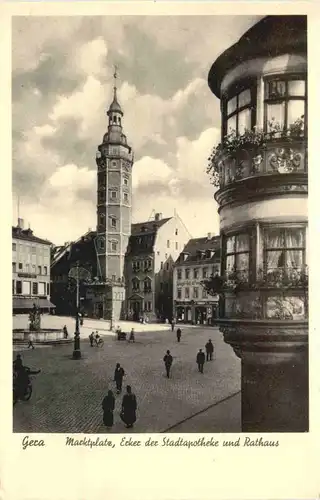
77, 273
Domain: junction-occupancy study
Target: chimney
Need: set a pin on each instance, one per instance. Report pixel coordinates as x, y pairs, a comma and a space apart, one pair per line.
20, 223
158, 216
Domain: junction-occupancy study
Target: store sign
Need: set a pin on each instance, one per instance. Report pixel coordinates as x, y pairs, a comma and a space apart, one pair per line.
27, 275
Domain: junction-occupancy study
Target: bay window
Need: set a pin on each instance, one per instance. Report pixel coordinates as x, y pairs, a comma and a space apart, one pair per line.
238, 256
239, 112
285, 101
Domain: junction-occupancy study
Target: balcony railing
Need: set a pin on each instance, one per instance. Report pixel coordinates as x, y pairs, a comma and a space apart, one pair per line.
256, 153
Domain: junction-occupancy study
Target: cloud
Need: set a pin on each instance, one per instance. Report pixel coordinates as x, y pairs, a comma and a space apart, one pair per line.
61, 87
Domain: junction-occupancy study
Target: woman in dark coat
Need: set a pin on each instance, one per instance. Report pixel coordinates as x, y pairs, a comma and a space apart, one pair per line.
129, 408
108, 407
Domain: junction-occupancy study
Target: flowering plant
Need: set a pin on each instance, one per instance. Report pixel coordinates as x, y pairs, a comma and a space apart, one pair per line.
253, 139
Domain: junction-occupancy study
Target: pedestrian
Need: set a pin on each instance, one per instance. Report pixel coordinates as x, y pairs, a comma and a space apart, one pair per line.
108, 405
31, 339
200, 360
178, 334
209, 350
172, 325
131, 338
129, 408
168, 359
118, 377
91, 338
17, 364
65, 332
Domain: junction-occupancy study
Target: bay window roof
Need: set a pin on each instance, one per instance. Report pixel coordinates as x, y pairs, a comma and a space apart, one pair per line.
272, 36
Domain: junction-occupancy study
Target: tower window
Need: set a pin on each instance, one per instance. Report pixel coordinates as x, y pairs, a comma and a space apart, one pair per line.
176, 232
168, 243
114, 119
114, 246
114, 163
113, 195
176, 245
113, 222
125, 197
125, 181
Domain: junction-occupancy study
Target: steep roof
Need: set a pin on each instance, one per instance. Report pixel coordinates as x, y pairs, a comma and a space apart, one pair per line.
27, 235
197, 250
148, 226
143, 236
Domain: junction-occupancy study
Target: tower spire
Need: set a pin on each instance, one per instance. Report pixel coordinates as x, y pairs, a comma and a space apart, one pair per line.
115, 76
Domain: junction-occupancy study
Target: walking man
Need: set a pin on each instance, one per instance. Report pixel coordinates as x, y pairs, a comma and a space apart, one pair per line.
129, 408
209, 350
118, 377
168, 359
172, 325
200, 360
31, 339
65, 332
178, 334
91, 339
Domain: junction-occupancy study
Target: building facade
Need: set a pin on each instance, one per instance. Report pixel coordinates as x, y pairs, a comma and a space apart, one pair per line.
153, 247
30, 270
199, 260
262, 196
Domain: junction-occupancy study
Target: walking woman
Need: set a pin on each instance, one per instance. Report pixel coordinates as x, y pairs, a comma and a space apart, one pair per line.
129, 408
108, 408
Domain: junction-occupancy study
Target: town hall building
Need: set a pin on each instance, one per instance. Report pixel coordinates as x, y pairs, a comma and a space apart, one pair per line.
130, 265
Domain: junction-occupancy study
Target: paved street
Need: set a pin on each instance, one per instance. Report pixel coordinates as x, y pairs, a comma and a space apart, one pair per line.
67, 395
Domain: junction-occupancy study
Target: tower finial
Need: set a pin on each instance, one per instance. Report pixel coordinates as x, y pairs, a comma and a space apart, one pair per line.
115, 76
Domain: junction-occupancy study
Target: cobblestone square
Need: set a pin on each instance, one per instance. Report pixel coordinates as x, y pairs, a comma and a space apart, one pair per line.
67, 394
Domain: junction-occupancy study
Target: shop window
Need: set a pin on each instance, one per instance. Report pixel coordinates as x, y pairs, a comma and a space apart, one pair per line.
14, 267
18, 287
284, 251
239, 111
285, 101
12, 287
238, 256
34, 288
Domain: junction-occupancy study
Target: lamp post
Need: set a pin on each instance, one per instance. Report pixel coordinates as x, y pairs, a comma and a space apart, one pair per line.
76, 273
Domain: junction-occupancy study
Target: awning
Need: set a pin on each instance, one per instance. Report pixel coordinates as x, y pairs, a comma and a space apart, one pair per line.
27, 303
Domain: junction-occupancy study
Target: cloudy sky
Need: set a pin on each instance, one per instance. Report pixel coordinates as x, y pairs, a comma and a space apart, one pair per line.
62, 87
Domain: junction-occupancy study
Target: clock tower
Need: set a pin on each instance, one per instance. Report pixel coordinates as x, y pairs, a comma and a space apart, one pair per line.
114, 160
114, 195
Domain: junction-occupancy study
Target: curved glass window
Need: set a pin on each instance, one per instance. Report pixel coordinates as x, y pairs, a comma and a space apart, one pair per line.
238, 114
285, 101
